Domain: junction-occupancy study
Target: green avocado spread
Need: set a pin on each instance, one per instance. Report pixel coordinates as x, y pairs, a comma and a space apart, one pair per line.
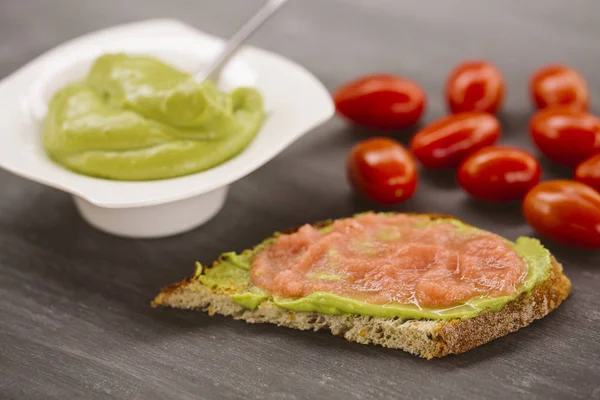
231, 274
137, 118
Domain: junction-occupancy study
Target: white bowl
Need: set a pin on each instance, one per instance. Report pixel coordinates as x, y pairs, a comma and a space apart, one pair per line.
295, 101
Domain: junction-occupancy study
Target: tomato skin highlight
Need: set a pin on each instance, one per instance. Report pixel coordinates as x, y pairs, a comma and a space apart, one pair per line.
445, 143
499, 173
381, 101
475, 86
559, 85
567, 212
382, 170
564, 135
588, 172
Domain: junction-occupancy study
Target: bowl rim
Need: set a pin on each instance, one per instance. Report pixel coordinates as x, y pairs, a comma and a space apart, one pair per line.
126, 194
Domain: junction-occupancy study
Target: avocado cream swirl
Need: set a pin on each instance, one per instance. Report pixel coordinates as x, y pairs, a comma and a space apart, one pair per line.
136, 118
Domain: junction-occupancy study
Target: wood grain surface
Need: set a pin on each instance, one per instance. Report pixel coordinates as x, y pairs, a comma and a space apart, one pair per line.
75, 315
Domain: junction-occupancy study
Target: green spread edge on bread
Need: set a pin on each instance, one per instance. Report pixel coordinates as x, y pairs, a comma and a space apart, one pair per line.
231, 275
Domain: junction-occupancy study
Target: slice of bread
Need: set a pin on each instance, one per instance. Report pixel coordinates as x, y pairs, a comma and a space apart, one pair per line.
425, 338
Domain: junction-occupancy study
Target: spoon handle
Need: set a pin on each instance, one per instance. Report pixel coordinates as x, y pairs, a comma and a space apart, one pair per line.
214, 69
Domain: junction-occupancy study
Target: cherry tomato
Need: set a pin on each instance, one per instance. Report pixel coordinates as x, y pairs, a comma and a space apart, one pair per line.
499, 173
385, 102
565, 211
565, 135
448, 141
588, 172
558, 85
475, 86
382, 170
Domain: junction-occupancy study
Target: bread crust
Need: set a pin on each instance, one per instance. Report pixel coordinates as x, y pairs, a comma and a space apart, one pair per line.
458, 336
425, 338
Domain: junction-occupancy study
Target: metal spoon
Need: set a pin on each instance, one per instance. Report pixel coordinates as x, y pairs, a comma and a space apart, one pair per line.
214, 70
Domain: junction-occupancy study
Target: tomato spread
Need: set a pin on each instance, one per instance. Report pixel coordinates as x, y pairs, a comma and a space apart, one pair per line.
383, 259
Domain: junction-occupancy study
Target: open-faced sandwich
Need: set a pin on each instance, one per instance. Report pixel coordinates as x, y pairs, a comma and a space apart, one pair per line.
430, 285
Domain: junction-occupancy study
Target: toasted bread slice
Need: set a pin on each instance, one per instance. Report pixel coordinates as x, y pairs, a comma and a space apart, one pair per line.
426, 338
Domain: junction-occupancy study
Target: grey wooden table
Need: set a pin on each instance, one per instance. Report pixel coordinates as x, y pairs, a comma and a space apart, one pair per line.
75, 320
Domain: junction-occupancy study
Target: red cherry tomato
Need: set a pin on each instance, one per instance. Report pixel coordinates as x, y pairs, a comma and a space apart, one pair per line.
565, 211
558, 85
475, 86
565, 135
499, 173
383, 102
448, 141
382, 170
588, 172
